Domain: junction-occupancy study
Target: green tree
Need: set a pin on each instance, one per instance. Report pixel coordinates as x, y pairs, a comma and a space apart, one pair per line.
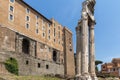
12, 65
97, 62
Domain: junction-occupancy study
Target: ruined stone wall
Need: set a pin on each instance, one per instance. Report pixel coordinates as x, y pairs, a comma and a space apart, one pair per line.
2, 68
29, 63
32, 66
7, 39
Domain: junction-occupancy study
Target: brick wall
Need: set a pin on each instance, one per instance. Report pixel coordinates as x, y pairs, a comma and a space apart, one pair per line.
69, 54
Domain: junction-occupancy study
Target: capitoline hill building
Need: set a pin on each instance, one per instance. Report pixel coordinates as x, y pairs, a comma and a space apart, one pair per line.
41, 46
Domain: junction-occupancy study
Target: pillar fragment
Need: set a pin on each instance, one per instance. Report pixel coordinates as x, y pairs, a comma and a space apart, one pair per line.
92, 51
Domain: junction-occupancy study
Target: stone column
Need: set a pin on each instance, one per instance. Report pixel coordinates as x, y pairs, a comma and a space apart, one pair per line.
84, 57
78, 53
92, 51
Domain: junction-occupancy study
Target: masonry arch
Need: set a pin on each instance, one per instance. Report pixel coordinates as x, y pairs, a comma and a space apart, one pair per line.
25, 46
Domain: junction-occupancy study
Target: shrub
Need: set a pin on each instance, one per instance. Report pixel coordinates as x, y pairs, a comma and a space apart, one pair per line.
12, 66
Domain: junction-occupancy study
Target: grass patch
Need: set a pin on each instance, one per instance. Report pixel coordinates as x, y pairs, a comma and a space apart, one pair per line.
35, 78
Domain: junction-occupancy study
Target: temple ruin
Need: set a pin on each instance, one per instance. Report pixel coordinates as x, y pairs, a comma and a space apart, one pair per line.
85, 53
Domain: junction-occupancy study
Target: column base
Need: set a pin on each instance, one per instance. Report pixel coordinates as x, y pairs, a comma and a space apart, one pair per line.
86, 77
94, 78
78, 77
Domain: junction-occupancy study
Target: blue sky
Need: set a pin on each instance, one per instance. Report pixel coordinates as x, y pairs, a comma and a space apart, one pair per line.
107, 29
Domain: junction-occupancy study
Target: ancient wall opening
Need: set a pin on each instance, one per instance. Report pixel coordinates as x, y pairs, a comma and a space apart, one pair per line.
54, 55
25, 46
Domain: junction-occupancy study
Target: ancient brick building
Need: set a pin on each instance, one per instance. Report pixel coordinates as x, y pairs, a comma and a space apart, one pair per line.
40, 45
112, 68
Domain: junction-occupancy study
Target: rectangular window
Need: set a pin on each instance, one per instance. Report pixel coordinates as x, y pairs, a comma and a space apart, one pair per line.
27, 18
11, 8
54, 31
49, 32
12, 1
43, 34
37, 17
47, 66
37, 31
39, 65
27, 25
49, 37
27, 11
27, 62
11, 17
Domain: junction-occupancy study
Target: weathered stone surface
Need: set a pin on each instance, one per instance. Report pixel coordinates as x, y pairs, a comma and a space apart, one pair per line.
85, 35
68, 54
31, 68
38, 47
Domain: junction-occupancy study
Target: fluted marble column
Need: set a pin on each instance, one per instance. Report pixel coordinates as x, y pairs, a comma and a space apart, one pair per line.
78, 51
92, 51
84, 57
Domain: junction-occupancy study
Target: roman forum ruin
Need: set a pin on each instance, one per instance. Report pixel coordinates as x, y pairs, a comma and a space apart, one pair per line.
85, 43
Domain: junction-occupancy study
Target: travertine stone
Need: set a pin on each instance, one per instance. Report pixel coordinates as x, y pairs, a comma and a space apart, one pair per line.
85, 43
92, 51
78, 52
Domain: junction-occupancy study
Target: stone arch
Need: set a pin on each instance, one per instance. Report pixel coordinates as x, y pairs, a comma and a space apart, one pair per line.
25, 46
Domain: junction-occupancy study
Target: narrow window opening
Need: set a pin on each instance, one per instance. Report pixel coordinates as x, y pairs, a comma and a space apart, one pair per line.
11, 17
47, 66
27, 18
43, 34
37, 31
49, 37
39, 65
27, 25
37, 16
54, 56
27, 10
54, 31
11, 8
27, 62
